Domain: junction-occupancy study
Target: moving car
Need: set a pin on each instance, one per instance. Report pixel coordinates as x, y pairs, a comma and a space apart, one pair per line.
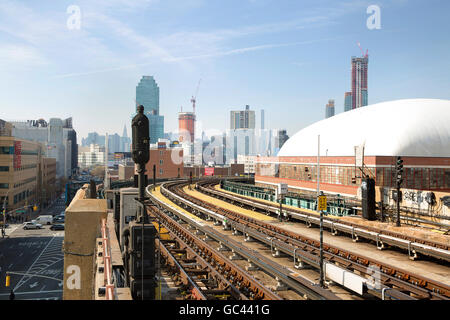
57, 227
31, 225
44, 219
58, 219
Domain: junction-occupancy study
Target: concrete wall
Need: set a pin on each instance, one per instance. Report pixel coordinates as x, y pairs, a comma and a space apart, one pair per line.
83, 222
126, 172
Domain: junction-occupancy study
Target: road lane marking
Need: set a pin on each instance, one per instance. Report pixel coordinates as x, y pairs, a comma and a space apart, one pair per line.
19, 284
31, 292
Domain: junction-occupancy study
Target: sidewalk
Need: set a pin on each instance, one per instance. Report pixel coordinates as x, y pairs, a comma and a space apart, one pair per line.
11, 228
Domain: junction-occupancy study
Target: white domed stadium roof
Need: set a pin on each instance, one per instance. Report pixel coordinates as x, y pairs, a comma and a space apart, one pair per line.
410, 127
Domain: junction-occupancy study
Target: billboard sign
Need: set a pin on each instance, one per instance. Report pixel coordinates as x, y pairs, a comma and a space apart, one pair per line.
209, 171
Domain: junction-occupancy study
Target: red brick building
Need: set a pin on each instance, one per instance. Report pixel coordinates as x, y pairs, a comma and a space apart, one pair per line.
168, 162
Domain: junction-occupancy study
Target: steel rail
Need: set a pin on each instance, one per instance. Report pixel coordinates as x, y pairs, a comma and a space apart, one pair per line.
288, 276
425, 288
412, 244
196, 292
305, 257
243, 280
186, 278
223, 284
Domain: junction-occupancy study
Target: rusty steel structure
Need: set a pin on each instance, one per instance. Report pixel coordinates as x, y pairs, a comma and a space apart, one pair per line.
400, 284
106, 254
217, 273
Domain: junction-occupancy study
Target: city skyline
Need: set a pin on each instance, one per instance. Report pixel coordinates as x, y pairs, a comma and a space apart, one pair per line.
245, 57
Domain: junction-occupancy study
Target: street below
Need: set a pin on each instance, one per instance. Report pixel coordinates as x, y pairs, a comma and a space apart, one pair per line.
34, 259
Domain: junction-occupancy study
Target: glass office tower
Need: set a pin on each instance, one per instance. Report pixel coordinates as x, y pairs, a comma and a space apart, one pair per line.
147, 94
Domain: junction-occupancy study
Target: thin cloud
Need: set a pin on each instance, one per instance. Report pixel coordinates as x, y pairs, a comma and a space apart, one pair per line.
243, 50
196, 57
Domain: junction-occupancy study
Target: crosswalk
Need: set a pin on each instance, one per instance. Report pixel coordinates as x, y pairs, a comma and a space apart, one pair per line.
45, 265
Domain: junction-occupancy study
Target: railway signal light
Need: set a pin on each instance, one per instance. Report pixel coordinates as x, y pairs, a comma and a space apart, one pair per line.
142, 263
399, 171
8, 280
141, 139
399, 180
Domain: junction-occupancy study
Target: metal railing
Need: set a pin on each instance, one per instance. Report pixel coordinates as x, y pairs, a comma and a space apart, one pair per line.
109, 294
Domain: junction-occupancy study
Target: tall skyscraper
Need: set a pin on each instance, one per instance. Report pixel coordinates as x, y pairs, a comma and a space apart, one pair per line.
282, 137
242, 119
348, 101
125, 141
359, 81
262, 119
147, 94
329, 109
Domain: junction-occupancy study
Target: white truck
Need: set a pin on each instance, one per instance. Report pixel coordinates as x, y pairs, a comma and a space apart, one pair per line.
44, 219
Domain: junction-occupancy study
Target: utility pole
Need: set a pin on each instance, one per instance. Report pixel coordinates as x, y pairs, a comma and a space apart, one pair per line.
106, 181
321, 282
154, 177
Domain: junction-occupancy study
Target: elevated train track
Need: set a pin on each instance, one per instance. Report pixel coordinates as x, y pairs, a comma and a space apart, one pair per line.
395, 283
412, 245
175, 221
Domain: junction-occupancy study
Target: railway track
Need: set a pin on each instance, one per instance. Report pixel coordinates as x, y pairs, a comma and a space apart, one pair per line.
205, 274
394, 282
382, 238
174, 221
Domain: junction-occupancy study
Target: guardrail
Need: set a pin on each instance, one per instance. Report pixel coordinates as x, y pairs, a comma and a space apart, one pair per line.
107, 263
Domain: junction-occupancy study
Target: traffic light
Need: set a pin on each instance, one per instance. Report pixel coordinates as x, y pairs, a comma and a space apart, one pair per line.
399, 171
8, 281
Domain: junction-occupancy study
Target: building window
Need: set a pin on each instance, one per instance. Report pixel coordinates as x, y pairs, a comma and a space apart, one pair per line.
160, 161
4, 168
4, 185
7, 150
160, 171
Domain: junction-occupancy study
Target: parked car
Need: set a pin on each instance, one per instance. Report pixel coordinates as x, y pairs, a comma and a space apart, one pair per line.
31, 225
57, 227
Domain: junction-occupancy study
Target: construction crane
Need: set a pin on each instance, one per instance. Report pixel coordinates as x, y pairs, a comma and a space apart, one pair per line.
362, 51
194, 98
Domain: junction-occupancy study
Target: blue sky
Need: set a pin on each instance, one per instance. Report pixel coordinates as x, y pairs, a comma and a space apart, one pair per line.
287, 57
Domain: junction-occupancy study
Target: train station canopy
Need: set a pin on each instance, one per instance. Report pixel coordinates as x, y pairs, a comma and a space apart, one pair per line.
410, 127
